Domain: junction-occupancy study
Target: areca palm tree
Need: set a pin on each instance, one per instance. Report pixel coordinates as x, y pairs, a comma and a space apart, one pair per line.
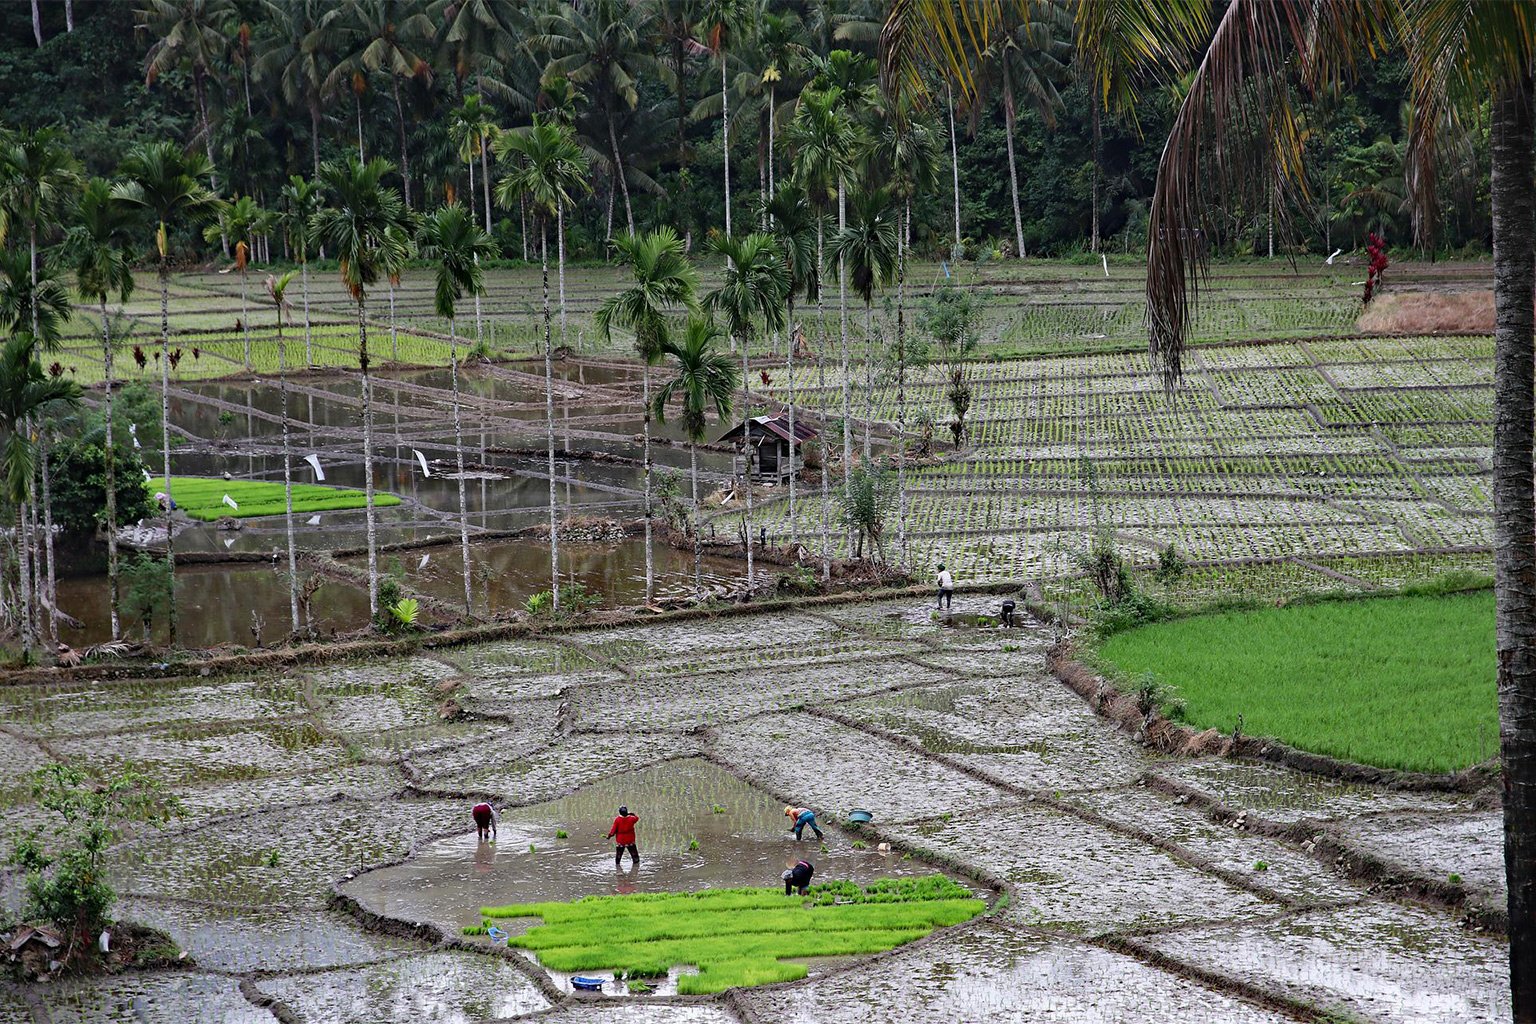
238, 225
703, 375
366, 224
100, 249
378, 36
188, 33
753, 290
26, 394
277, 293
604, 47
38, 180
549, 170
867, 246
300, 200
665, 282
823, 138
796, 226
164, 182
472, 126
450, 238
722, 21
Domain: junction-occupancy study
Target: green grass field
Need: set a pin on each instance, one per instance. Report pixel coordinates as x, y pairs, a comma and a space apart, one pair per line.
736, 937
1402, 682
203, 497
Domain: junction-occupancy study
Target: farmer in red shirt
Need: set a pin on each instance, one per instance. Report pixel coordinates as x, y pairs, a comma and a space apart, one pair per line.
623, 836
485, 820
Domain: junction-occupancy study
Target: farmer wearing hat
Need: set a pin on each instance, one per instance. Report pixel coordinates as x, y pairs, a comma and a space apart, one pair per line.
802, 817
623, 835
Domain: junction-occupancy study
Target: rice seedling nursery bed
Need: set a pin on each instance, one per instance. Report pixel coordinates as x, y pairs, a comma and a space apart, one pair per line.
1402, 682
203, 498
735, 937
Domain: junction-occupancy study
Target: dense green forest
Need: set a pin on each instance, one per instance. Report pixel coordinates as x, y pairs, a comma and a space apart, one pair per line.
273, 88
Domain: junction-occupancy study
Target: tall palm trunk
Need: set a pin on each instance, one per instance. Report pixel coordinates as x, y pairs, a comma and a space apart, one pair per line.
314, 135
479, 330
747, 452
405, 153
110, 456
165, 438
821, 388
24, 580
485, 183
650, 559
618, 172
794, 445
51, 578
1013, 169
293, 547
458, 448
37, 22
1514, 545
549, 418
560, 261
698, 524
954, 163
245, 318
309, 348
869, 375
1098, 157
842, 317
725, 140
370, 523
394, 336
901, 382
766, 197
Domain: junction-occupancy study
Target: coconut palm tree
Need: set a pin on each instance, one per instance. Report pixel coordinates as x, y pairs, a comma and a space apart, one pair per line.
378, 36
277, 294
604, 47
100, 249
164, 182
703, 375
794, 224
300, 200
366, 225
450, 238
752, 290
548, 169
300, 72
26, 395
867, 246
238, 225
188, 33
664, 282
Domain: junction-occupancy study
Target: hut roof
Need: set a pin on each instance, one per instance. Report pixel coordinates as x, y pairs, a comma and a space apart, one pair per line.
777, 425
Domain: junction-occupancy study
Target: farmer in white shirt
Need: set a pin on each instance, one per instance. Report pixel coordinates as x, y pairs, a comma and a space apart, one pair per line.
946, 588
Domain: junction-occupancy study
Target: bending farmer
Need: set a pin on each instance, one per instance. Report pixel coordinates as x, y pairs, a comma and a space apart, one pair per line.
799, 877
802, 817
485, 820
623, 835
946, 587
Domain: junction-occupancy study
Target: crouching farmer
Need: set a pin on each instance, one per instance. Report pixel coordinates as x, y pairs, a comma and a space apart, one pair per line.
485, 820
803, 817
798, 878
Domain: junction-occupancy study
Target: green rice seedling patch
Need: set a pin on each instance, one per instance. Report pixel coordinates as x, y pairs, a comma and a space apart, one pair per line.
736, 937
203, 498
1399, 682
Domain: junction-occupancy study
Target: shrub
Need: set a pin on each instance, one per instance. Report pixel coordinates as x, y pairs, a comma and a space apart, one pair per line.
66, 883
1170, 565
799, 580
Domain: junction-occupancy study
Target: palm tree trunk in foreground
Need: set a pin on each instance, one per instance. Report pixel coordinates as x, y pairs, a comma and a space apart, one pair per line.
458, 447
821, 440
165, 439
293, 547
650, 559
549, 421
1514, 545
111, 461
370, 523
698, 523
1013, 170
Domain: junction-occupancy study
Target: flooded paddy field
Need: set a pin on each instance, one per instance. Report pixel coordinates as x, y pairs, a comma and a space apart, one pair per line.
326, 864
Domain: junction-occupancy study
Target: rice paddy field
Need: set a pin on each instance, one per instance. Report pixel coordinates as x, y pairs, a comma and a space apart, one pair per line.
204, 498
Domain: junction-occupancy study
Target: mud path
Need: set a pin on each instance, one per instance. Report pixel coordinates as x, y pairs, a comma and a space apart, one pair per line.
326, 863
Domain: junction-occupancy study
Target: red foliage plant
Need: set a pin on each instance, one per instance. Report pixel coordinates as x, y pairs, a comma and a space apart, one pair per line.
1376, 248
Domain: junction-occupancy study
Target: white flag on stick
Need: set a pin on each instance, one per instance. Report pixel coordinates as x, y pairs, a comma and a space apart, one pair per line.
230, 502
314, 463
313, 520
423, 460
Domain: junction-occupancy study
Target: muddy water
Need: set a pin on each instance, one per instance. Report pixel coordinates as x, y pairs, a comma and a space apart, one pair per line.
685, 845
